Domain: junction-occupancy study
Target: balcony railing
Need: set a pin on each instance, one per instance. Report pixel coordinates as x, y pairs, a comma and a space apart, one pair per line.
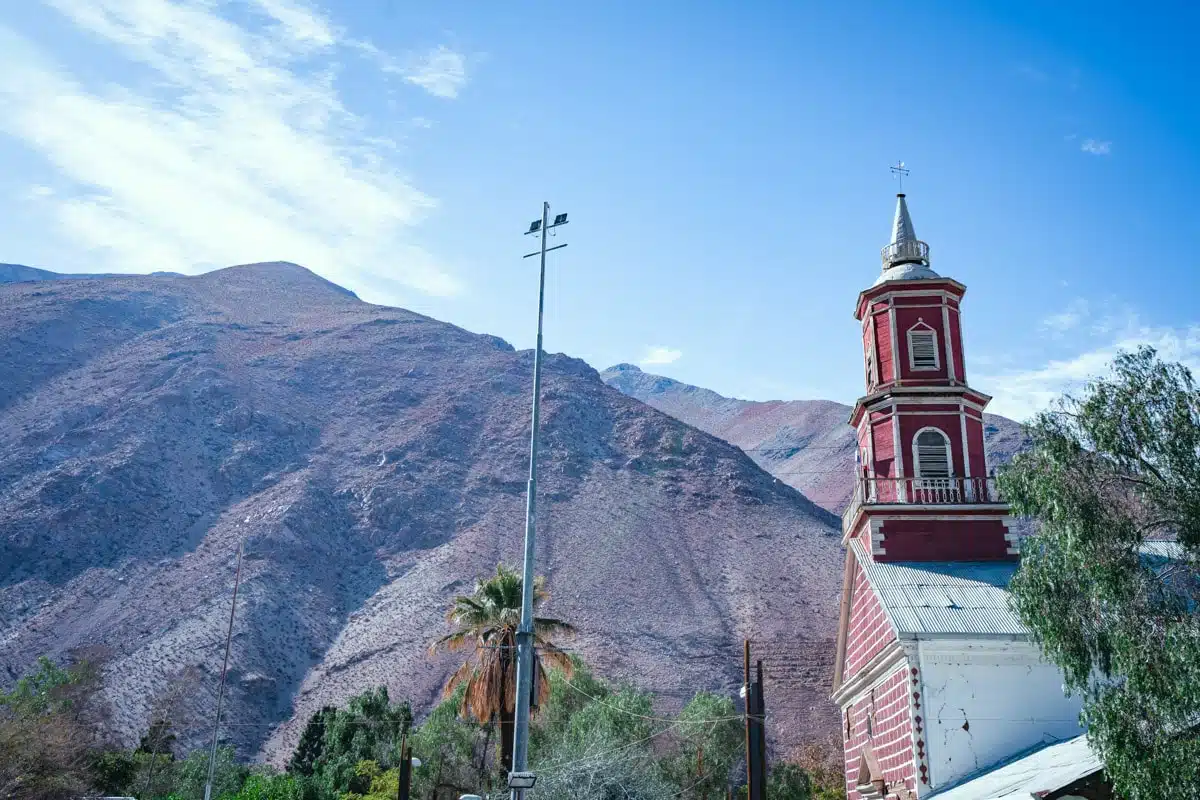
924, 491
907, 250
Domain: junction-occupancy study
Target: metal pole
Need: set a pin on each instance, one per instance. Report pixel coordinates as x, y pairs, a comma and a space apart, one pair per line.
212, 753
525, 631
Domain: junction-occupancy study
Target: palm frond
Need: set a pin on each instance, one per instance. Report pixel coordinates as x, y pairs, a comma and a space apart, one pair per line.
463, 673
556, 658
452, 641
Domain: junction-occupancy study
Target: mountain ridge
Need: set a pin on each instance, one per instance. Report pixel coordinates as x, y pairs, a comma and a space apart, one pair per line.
807, 444
372, 461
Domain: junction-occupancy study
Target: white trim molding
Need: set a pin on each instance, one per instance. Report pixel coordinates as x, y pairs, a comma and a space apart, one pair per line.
917, 454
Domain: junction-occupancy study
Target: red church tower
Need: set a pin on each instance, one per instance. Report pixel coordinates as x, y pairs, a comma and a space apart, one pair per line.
936, 677
923, 492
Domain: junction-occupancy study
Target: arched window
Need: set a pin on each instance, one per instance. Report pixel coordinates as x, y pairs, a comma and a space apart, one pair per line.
931, 454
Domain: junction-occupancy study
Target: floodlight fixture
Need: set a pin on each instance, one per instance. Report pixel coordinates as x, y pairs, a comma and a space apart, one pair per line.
521, 780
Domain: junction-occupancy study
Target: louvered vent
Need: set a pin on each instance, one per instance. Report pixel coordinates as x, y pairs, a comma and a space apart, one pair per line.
922, 347
933, 455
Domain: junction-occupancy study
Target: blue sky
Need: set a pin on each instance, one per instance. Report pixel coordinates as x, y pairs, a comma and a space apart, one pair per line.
724, 166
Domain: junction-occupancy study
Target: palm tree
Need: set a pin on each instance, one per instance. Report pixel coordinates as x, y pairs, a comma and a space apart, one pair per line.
487, 622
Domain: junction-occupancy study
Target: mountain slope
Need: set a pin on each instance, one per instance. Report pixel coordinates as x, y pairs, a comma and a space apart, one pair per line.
807, 444
373, 461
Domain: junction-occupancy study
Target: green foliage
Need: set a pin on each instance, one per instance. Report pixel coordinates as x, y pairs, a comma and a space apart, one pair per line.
789, 782
486, 623
710, 739
45, 747
159, 739
312, 742
1106, 472
267, 785
446, 746
370, 728
603, 748
156, 774
113, 772
42, 691
189, 775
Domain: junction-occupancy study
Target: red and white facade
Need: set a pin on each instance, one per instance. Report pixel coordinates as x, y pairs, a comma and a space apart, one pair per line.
935, 676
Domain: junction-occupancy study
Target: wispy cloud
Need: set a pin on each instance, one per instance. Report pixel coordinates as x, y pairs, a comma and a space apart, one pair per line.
658, 355
1067, 319
442, 72
1096, 147
1020, 393
239, 150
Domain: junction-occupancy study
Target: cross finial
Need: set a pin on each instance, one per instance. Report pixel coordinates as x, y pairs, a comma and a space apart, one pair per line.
899, 170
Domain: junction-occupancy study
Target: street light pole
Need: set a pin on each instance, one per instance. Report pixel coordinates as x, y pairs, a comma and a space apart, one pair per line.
525, 663
212, 753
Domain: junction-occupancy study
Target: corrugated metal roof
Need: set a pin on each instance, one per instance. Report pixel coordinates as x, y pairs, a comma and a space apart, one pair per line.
944, 597
1048, 769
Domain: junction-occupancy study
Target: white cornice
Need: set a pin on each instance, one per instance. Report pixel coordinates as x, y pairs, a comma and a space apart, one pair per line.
879, 667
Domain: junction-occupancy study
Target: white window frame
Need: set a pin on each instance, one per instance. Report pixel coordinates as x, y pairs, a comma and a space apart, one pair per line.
923, 326
917, 455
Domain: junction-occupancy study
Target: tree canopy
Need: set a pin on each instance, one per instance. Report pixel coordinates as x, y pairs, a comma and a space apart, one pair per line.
486, 623
1109, 585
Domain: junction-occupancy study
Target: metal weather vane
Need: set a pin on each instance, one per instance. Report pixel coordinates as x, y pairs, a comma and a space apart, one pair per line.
900, 171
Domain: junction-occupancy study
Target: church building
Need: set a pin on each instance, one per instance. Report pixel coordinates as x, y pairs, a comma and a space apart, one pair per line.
939, 685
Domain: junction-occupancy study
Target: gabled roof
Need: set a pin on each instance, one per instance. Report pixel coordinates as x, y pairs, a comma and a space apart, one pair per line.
1031, 775
944, 597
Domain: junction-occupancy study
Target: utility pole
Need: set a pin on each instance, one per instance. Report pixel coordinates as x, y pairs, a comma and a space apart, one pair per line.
404, 775
212, 753
519, 778
756, 730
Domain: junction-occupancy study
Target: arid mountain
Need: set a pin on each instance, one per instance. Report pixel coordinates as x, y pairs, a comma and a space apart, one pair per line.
807, 444
373, 461
19, 273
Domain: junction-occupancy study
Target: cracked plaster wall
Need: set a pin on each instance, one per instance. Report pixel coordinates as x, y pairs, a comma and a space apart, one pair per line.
987, 701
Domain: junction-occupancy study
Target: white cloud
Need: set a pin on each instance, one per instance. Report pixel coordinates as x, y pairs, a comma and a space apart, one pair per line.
39, 191
1021, 393
240, 151
1096, 147
1067, 319
441, 72
658, 355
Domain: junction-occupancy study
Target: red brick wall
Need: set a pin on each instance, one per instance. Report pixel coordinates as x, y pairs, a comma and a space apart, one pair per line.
887, 707
868, 630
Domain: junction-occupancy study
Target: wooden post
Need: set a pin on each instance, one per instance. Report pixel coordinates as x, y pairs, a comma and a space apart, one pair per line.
761, 723
749, 705
404, 779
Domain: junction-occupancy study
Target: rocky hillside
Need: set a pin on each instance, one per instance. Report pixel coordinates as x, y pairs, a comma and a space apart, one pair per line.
805, 443
19, 273
373, 462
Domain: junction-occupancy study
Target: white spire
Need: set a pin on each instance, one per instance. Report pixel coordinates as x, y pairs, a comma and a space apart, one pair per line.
906, 257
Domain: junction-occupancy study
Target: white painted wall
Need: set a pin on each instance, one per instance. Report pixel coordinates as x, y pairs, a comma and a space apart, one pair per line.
1010, 699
